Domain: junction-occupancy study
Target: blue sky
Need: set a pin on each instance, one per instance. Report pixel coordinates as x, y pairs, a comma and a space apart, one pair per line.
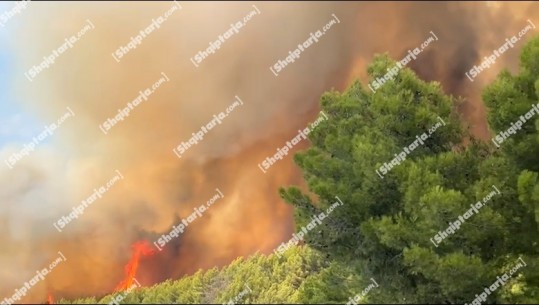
16, 126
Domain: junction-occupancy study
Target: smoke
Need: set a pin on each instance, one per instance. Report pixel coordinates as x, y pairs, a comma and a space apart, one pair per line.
467, 32
158, 188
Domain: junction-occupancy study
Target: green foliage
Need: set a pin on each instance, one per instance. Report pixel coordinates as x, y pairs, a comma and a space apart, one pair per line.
385, 228
259, 279
509, 98
386, 225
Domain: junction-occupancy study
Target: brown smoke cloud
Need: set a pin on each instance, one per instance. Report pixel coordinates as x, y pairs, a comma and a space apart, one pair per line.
159, 189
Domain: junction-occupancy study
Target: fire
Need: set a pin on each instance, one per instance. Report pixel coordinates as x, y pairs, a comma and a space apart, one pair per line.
140, 249
50, 299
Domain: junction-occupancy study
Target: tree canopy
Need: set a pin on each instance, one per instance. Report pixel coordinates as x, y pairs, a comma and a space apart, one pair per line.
386, 225
442, 224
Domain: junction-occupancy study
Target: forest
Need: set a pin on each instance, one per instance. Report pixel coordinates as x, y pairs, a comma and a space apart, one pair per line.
455, 216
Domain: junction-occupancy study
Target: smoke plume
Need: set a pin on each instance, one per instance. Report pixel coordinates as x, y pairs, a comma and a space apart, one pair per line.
159, 189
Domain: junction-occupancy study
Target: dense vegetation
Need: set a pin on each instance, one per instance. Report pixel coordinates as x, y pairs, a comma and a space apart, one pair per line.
384, 229
262, 279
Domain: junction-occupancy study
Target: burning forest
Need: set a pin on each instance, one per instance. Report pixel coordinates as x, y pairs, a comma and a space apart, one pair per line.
152, 142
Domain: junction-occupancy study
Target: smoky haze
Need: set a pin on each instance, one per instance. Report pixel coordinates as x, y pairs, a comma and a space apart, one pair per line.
158, 188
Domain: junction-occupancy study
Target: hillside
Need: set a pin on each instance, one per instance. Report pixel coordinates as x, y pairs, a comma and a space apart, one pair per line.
257, 279
429, 217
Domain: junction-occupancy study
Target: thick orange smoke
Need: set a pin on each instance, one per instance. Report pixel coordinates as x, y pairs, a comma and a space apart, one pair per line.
159, 189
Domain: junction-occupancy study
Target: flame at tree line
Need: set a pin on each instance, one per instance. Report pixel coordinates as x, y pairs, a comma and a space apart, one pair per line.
228, 167
140, 249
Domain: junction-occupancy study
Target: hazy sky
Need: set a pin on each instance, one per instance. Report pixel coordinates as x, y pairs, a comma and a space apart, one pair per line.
16, 124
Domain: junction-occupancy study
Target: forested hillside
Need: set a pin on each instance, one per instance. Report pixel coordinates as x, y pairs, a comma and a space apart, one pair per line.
431, 221
258, 279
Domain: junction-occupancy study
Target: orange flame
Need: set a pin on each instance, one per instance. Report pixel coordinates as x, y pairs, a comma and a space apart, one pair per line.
50, 299
140, 248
